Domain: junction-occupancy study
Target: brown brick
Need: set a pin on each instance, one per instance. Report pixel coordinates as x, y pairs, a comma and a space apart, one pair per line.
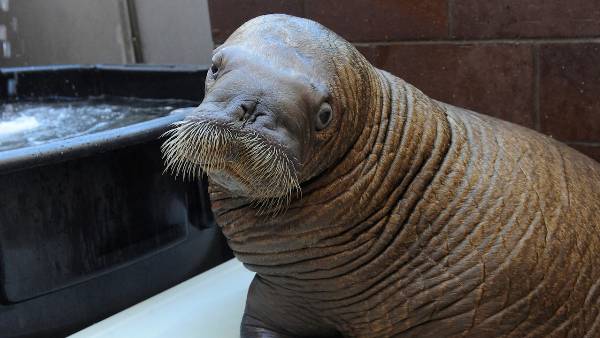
381, 20
494, 79
570, 91
525, 18
227, 15
590, 150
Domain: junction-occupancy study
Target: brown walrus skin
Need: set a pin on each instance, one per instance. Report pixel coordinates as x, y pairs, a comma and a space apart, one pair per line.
415, 218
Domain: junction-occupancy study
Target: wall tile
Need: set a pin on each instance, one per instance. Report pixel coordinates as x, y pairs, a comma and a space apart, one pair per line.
227, 15
381, 20
519, 18
494, 79
570, 91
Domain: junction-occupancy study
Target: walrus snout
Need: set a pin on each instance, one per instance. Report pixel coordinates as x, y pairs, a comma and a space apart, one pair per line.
242, 160
246, 114
240, 111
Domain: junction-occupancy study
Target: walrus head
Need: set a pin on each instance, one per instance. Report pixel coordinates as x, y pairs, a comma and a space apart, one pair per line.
281, 100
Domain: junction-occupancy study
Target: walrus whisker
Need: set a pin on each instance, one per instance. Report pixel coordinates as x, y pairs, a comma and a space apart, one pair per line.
194, 146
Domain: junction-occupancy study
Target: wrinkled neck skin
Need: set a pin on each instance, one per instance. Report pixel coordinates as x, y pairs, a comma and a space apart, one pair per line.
351, 215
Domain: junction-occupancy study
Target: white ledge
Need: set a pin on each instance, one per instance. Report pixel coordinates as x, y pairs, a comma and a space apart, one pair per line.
208, 305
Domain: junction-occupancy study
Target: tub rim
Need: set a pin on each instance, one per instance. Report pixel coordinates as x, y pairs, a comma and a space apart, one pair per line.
85, 145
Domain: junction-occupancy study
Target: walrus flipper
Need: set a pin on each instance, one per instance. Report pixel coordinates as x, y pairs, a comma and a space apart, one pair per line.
269, 313
254, 328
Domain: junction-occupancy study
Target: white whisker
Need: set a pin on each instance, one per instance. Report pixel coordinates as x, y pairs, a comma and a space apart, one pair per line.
196, 146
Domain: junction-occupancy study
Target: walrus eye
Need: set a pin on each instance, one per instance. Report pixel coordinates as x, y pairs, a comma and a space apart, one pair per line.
214, 70
324, 116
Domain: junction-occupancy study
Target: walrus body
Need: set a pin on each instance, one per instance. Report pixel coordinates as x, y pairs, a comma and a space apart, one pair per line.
415, 218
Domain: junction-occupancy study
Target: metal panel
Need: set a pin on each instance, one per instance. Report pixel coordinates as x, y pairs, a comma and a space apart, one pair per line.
67, 31
37, 32
174, 31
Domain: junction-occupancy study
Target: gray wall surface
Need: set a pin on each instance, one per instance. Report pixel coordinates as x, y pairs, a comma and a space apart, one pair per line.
37, 32
174, 31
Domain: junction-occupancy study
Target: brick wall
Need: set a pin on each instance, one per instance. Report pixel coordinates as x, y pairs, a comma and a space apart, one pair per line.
534, 62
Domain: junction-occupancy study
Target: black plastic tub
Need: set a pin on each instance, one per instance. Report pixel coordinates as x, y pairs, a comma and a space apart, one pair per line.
90, 225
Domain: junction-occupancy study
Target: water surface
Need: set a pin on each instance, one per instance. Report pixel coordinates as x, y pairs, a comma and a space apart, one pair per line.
28, 123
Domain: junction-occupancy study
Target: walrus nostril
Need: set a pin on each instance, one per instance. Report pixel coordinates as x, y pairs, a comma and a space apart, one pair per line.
248, 110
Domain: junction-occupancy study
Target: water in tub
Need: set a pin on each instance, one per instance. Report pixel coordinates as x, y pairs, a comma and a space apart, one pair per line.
28, 123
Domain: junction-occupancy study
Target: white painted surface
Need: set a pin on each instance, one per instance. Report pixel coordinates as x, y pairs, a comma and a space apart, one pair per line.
209, 305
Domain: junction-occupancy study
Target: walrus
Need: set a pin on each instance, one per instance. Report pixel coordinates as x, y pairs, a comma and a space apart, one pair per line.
368, 209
